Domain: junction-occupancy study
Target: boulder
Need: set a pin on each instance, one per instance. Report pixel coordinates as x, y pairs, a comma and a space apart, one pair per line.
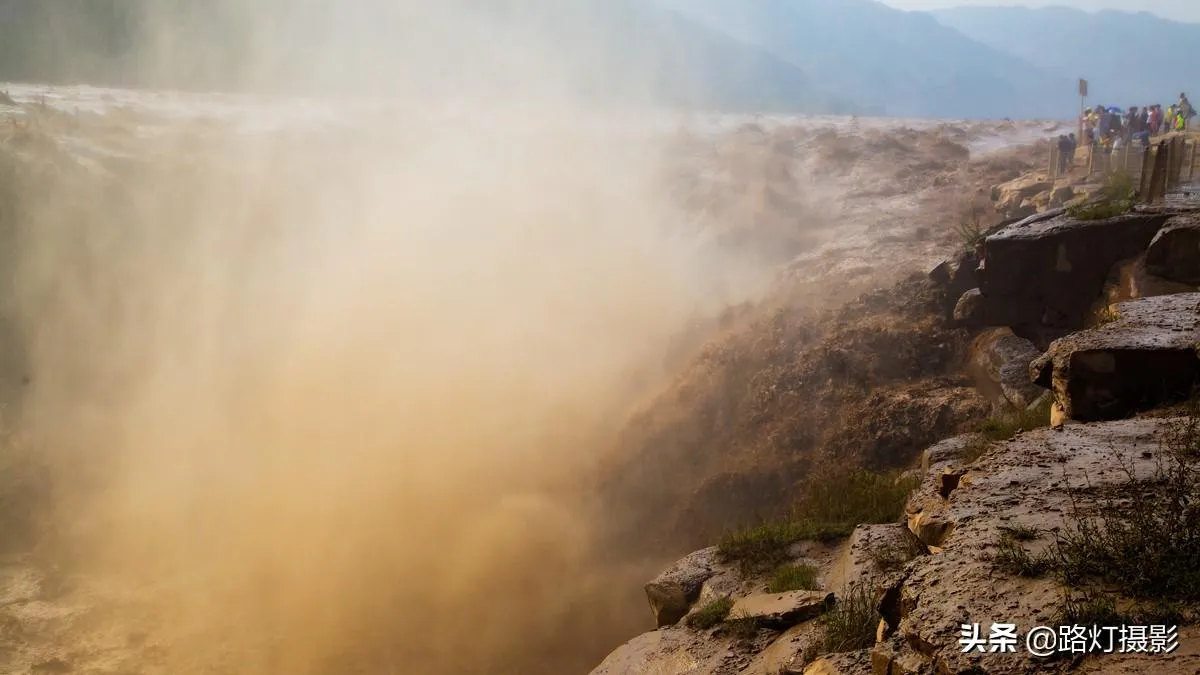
782, 609
947, 453
672, 593
1143, 358
970, 309
1174, 253
1062, 195
1004, 358
1010, 196
1043, 275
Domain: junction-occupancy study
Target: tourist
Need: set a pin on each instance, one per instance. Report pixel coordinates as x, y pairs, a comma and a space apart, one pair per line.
1184, 111
1064, 153
1156, 119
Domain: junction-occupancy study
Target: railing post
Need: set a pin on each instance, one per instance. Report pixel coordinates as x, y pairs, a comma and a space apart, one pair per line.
1146, 177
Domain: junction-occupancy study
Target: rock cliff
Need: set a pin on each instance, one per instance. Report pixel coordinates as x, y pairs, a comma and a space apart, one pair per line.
1085, 521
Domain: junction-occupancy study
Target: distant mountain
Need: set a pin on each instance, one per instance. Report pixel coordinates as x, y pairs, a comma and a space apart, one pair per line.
905, 63
1128, 59
609, 50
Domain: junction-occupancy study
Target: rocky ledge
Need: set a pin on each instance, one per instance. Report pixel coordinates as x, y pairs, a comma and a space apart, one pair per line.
963, 514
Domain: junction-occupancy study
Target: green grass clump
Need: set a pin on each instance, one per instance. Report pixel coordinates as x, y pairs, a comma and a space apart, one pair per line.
970, 230
1117, 198
1005, 425
851, 623
1013, 559
1092, 609
794, 578
831, 508
1021, 532
711, 614
763, 547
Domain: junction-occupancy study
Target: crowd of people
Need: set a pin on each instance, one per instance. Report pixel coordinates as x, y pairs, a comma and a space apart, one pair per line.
1107, 129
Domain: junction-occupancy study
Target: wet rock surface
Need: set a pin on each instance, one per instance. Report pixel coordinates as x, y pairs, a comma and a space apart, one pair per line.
1145, 357
1027, 482
782, 610
1042, 275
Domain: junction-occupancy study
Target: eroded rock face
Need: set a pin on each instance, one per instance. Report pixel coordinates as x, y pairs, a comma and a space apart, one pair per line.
672, 593
1042, 275
1145, 357
1174, 254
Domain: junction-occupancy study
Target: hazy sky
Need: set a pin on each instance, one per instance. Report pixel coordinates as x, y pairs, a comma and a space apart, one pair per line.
1180, 10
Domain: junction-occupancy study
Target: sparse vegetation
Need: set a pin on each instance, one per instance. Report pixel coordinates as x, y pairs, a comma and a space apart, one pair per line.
851, 623
1116, 198
1143, 538
711, 614
831, 509
1012, 558
1006, 424
1092, 609
743, 627
971, 231
1021, 532
794, 578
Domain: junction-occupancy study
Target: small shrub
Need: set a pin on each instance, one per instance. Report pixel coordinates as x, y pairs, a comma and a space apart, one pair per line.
1005, 425
794, 578
1145, 537
1093, 609
1116, 198
711, 614
851, 623
971, 231
1013, 559
831, 508
1021, 532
